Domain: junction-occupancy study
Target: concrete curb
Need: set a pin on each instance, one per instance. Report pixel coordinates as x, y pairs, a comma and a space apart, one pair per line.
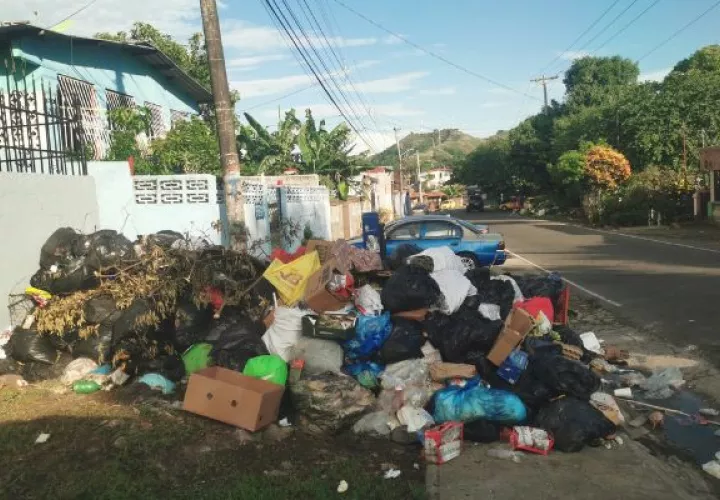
432, 482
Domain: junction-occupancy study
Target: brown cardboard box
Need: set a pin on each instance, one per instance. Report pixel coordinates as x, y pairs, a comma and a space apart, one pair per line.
415, 315
440, 372
233, 398
322, 247
517, 325
316, 295
269, 319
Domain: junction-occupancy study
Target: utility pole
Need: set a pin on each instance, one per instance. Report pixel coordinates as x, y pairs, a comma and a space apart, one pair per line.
543, 81
417, 160
397, 143
224, 113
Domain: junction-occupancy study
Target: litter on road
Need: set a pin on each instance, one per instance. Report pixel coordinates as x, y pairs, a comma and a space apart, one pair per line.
329, 338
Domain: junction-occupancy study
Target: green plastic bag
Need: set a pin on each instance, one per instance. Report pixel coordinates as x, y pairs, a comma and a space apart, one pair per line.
86, 387
197, 357
269, 367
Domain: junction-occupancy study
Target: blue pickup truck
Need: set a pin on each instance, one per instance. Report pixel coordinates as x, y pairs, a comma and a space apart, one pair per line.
474, 243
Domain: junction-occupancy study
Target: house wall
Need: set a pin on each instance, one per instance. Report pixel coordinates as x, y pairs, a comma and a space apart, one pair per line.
32, 207
106, 66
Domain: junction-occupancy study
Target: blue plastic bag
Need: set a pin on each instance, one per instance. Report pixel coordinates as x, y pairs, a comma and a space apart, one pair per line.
371, 332
158, 382
474, 402
366, 373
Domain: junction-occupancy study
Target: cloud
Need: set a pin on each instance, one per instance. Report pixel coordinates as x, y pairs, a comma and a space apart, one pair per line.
571, 55
397, 83
406, 53
249, 37
270, 86
379, 141
252, 62
392, 40
439, 91
499, 91
493, 104
655, 76
180, 18
365, 64
327, 110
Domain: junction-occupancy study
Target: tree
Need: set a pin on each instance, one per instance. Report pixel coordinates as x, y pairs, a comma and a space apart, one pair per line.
489, 167
569, 169
265, 152
192, 60
590, 80
705, 60
191, 147
606, 168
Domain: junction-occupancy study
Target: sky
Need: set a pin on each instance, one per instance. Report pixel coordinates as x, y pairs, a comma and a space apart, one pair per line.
499, 44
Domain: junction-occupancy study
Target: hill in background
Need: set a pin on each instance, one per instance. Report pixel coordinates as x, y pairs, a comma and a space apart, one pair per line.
445, 147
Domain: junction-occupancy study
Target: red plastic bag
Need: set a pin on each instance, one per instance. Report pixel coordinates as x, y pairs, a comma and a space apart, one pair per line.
536, 305
285, 257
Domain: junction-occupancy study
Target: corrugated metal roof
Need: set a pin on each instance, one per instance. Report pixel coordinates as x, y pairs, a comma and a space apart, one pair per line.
153, 56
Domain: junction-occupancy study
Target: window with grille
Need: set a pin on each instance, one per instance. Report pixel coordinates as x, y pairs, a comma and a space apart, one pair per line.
116, 100
178, 116
80, 96
157, 124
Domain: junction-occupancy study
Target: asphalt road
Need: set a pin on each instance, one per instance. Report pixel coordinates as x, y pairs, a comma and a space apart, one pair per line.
669, 289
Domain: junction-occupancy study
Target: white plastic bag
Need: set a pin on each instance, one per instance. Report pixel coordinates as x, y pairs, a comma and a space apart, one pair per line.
367, 301
285, 332
77, 370
378, 423
320, 355
490, 311
455, 288
444, 259
416, 419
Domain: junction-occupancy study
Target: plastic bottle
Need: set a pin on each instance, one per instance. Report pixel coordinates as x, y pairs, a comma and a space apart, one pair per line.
504, 454
86, 387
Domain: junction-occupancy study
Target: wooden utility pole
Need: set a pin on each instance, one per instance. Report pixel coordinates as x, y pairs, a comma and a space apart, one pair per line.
417, 160
400, 169
543, 81
224, 111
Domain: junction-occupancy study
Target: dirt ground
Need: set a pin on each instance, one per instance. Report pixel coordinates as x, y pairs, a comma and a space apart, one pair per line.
649, 464
129, 444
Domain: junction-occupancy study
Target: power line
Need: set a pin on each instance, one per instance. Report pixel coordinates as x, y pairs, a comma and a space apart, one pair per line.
84, 7
271, 101
608, 26
429, 52
301, 50
622, 30
322, 62
678, 32
589, 28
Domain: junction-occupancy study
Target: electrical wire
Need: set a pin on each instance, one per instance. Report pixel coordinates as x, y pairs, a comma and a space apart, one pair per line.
430, 52
281, 19
680, 31
338, 89
587, 30
608, 26
633, 21
84, 7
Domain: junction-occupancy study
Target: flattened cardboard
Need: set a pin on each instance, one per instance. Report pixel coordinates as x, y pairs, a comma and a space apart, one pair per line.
517, 325
440, 372
231, 397
415, 315
312, 328
316, 295
322, 247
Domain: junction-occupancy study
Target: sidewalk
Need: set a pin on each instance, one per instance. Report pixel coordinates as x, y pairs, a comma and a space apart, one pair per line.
628, 472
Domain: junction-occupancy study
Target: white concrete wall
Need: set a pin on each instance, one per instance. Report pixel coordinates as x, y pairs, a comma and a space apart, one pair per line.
32, 207
307, 206
116, 199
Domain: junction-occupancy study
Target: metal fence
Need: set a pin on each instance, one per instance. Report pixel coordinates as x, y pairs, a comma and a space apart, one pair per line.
40, 131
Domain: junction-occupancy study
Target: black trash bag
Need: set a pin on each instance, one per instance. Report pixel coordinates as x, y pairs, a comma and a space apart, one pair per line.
573, 423
565, 376
133, 354
69, 277
481, 431
533, 392
463, 337
410, 288
37, 372
400, 255
496, 292
104, 248
58, 248
101, 310
170, 366
550, 286
96, 347
29, 346
63, 342
164, 239
191, 324
405, 342
238, 342
127, 324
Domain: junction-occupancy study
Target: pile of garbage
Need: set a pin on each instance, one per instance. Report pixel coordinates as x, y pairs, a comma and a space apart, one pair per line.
414, 349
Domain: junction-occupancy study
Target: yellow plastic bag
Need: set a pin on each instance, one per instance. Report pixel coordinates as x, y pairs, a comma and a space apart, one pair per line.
290, 280
36, 292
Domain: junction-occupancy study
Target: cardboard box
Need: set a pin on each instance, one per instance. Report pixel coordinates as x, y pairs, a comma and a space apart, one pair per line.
444, 442
233, 398
322, 247
440, 372
317, 296
312, 326
517, 325
415, 315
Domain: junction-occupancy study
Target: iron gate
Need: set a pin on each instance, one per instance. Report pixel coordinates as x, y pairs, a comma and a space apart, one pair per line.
40, 131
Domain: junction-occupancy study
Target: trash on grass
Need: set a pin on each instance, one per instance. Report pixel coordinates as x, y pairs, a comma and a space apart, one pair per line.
42, 438
392, 474
342, 487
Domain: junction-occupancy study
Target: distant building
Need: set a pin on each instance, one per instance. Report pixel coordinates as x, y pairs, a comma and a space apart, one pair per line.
436, 177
